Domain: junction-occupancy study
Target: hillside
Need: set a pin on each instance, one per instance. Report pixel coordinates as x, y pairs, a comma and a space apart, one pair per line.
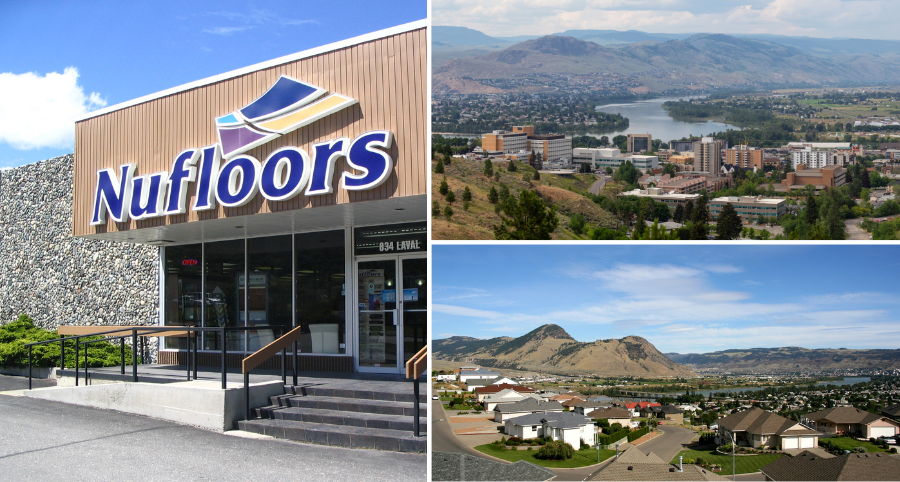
565, 193
789, 359
710, 60
551, 348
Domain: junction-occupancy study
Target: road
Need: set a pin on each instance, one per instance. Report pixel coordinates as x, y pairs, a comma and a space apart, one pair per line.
43, 440
669, 443
443, 439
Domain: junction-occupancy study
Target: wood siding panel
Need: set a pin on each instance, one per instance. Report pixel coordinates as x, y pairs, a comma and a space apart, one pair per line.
387, 76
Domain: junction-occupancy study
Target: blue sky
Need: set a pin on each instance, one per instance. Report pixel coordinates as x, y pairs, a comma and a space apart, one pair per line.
811, 18
682, 298
59, 59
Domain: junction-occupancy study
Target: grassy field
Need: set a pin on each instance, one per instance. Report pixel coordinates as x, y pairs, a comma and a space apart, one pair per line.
847, 443
581, 458
746, 464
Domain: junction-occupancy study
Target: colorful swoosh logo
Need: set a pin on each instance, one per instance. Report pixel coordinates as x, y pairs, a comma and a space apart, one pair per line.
287, 106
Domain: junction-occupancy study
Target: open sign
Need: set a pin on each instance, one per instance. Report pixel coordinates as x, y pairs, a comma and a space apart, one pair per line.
189, 262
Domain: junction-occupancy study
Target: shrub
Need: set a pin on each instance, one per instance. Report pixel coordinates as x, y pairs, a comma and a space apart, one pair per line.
13, 352
557, 450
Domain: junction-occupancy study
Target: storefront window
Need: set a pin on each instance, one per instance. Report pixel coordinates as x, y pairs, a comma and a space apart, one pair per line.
269, 262
321, 287
182, 289
224, 268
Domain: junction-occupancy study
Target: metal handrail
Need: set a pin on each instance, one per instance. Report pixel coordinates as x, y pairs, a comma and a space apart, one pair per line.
143, 332
415, 366
263, 354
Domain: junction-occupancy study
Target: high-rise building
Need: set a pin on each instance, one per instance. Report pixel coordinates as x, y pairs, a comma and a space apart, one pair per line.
708, 155
639, 142
505, 142
744, 156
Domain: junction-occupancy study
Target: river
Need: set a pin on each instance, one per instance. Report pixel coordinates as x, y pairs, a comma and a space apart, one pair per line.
648, 116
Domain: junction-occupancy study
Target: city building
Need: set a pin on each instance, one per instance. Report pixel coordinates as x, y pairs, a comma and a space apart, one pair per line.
708, 155
681, 159
683, 146
659, 194
825, 177
504, 142
612, 157
287, 194
812, 158
478, 374
639, 143
756, 207
521, 141
745, 157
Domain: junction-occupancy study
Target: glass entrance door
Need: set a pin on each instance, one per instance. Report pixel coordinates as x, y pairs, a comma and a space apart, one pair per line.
392, 305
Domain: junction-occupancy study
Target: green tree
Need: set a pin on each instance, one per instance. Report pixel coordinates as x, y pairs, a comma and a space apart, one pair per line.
728, 224
864, 178
609, 170
536, 176
577, 223
834, 223
678, 217
435, 208
447, 158
688, 211
670, 169
444, 187
450, 197
811, 211
504, 192
512, 167
627, 173
527, 217
699, 220
488, 168
493, 197
439, 167
448, 211
639, 226
467, 194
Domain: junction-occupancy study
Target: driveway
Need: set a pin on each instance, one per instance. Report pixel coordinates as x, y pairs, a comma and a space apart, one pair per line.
669, 443
853, 231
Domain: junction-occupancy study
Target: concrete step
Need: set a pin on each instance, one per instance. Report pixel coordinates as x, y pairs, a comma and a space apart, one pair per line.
383, 407
391, 396
337, 435
334, 417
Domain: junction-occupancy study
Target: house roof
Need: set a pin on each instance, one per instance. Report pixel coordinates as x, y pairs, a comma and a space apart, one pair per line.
634, 465
758, 421
892, 411
480, 371
528, 405
641, 404
553, 419
809, 466
572, 402
844, 415
453, 466
479, 382
609, 413
590, 404
503, 386
666, 409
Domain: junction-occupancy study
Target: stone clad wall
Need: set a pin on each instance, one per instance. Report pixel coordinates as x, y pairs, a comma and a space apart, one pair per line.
56, 278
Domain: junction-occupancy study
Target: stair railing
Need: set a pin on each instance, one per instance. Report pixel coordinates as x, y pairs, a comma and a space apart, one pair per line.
415, 367
263, 354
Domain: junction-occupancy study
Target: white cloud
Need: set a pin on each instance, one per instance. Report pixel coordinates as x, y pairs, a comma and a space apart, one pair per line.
226, 30
40, 111
463, 311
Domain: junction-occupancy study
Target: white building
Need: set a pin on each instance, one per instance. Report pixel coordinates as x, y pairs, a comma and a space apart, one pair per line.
552, 147
480, 374
612, 157
508, 395
528, 406
814, 159
568, 427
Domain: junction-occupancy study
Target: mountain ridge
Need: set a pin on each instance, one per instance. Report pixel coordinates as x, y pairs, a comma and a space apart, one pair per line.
789, 359
550, 348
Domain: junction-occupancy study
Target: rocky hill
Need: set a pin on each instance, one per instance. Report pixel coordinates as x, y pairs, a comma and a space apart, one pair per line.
699, 60
551, 348
788, 359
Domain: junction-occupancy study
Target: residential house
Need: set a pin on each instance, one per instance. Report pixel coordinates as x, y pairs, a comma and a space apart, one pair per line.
633, 464
892, 412
853, 421
509, 395
584, 407
505, 381
568, 427
670, 413
636, 407
475, 383
506, 411
759, 428
612, 415
481, 392
477, 374
810, 466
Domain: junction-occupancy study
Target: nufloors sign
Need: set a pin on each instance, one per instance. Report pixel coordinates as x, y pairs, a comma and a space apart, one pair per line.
287, 106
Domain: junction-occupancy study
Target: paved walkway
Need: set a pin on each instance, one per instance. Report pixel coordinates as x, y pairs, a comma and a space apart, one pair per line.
42, 440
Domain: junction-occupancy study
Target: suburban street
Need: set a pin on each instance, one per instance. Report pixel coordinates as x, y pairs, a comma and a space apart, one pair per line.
669, 443
43, 440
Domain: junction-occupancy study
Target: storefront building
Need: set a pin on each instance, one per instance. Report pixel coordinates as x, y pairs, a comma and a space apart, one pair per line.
288, 193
